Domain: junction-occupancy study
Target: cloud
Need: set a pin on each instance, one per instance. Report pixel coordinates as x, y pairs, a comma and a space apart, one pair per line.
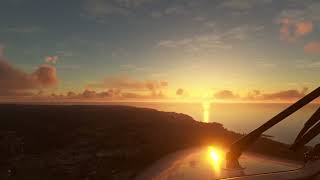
51, 59
309, 64
115, 94
226, 95
133, 3
120, 52
303, 28
89, 94
180, 92
308, 11
266, 65
133, 67
253, 95
312, 47
315, 64
164, 83
14, 80
175, 10
156, 14
285, 95
45, 76
23, 29
71, 94
103, 8
292, 30
128, 83
242, 4
298, 22
126, 90
211, 40
258, 95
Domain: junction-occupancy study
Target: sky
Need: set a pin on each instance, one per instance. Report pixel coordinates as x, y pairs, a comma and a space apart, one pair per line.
159, 50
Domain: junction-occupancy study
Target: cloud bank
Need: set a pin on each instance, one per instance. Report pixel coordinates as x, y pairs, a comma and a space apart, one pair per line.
225, 94
127, 83
17, 82
257, 95
283, 95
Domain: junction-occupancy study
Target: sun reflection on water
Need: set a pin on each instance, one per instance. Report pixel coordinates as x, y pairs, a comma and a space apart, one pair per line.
206, 111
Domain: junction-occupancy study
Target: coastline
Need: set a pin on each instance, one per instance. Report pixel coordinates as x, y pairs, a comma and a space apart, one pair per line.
103, 142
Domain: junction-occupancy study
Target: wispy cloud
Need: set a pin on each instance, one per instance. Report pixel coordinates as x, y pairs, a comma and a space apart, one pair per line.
103, 8
308, 64
23, 29
266, 65
175, 10
242, 4
212, 40
305, 11
132, 67
120, 52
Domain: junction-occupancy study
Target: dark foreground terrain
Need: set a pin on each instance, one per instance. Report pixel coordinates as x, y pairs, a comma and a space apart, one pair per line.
101, 142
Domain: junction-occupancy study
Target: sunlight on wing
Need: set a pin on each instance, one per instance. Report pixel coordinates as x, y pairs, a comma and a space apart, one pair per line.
214, 157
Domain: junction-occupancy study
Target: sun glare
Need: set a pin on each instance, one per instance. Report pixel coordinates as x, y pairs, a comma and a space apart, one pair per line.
214, 157
214, 154
206, 111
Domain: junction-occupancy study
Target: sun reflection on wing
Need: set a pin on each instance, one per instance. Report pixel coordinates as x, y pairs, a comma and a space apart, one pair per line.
214, 157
